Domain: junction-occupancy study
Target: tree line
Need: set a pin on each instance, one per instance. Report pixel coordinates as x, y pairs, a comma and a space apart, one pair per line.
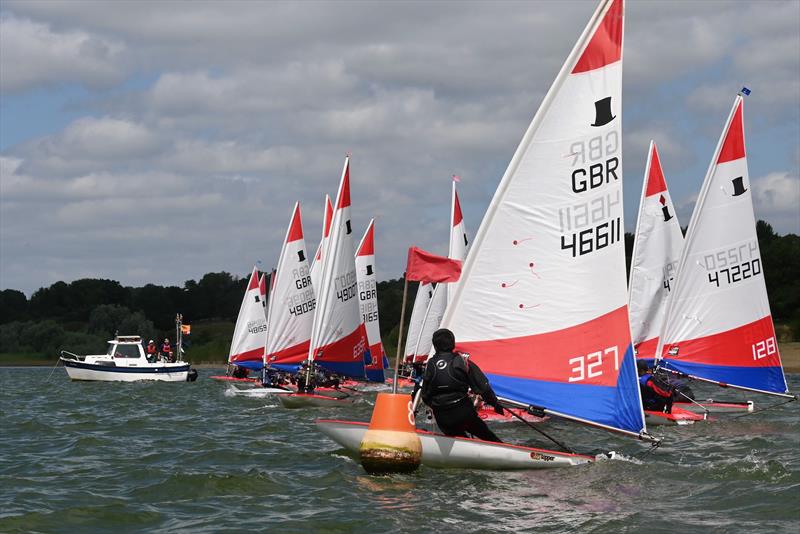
81, 315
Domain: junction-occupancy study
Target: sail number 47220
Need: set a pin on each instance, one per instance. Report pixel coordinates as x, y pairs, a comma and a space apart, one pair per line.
764, 348
591, 365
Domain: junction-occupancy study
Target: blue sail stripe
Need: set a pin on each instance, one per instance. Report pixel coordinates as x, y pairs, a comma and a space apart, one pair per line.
617, 407
763, 378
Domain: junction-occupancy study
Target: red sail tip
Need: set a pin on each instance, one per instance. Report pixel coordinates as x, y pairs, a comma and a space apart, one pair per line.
457, 217
296, 227
368, 244
344, 193
733, 147
605, 46
655, 180
328, 215
253, 284
262, 284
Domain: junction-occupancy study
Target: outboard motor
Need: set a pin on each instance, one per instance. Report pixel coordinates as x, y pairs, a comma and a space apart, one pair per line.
192, 376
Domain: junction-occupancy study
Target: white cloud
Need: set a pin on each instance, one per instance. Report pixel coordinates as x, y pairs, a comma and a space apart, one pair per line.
233, 111
776, 198
33, 54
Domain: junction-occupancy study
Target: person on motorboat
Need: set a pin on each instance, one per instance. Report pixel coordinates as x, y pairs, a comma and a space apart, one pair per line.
657, 393
166, 350
448, 378
152, 351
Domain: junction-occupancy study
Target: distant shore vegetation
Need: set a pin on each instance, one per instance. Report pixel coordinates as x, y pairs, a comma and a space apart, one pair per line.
81, 316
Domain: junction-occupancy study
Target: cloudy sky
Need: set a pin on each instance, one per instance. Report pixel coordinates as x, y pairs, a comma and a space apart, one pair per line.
158, 141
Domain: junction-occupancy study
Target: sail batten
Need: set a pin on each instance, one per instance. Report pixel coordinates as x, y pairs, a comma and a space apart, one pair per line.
542, 301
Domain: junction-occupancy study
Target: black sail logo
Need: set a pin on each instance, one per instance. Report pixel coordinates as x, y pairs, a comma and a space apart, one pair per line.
665, 208
369, 270
738, 186
301, 255
602, 112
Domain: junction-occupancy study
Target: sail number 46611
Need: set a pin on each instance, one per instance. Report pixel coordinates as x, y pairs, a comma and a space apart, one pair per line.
764, 348
591, 365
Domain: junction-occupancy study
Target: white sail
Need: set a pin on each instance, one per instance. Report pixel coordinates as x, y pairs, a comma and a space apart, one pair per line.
250, 330
291, 301
316, 261
656, 250
542, 301
338, 338
718, 323
421, 301
442, 292
262, 286
368, 301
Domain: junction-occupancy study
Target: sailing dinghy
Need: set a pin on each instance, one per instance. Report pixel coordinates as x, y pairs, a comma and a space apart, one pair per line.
316, 262
718, 326
368, 305
338, 337
249, 334
542, 301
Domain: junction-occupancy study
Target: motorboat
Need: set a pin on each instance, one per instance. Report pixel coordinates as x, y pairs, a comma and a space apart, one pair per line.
126, 361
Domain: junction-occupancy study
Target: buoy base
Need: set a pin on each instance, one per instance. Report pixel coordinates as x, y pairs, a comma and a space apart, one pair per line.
390, 451
391, 444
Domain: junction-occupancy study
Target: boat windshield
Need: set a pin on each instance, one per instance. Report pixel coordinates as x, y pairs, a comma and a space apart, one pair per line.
123, 351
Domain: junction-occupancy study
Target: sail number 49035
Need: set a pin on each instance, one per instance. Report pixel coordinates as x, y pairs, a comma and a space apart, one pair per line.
764, 348
591, 365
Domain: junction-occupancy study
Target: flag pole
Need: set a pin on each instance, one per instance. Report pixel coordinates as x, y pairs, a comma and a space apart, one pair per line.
400, 332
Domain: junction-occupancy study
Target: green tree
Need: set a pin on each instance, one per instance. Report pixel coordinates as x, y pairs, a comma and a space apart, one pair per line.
13, 306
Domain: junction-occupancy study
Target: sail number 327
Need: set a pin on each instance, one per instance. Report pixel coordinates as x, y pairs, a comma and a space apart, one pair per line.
591, 365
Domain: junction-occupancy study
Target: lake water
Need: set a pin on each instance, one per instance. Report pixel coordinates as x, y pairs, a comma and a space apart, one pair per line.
191, 457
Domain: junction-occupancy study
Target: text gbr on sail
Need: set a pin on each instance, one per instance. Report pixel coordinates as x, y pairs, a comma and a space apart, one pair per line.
590, 225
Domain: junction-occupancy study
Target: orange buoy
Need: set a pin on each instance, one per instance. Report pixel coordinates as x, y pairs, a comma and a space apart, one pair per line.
391, 443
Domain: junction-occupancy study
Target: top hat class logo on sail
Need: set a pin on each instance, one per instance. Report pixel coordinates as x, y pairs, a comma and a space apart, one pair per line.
591, 224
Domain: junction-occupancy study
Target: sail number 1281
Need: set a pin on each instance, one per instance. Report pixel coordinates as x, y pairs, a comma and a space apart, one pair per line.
591, 365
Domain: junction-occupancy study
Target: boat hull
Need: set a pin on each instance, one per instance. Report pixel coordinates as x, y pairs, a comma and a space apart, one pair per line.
443, 451
305, 400
77, 370
240, 382
712, 406
678, 416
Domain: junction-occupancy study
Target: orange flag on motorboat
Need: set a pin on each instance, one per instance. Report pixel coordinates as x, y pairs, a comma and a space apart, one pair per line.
423, 266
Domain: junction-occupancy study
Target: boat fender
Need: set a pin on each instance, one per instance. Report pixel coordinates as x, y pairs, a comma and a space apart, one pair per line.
192, 376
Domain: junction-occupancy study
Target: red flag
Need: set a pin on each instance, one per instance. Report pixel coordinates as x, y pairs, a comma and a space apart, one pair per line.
426, 267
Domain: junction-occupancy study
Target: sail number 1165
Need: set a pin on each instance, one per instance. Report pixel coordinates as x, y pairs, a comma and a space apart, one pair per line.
591, 365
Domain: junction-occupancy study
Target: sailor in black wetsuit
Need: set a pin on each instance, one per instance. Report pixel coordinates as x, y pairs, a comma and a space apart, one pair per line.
447, 379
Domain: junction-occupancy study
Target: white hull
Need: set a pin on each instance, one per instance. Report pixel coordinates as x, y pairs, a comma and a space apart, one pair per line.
442, 451
80, 371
